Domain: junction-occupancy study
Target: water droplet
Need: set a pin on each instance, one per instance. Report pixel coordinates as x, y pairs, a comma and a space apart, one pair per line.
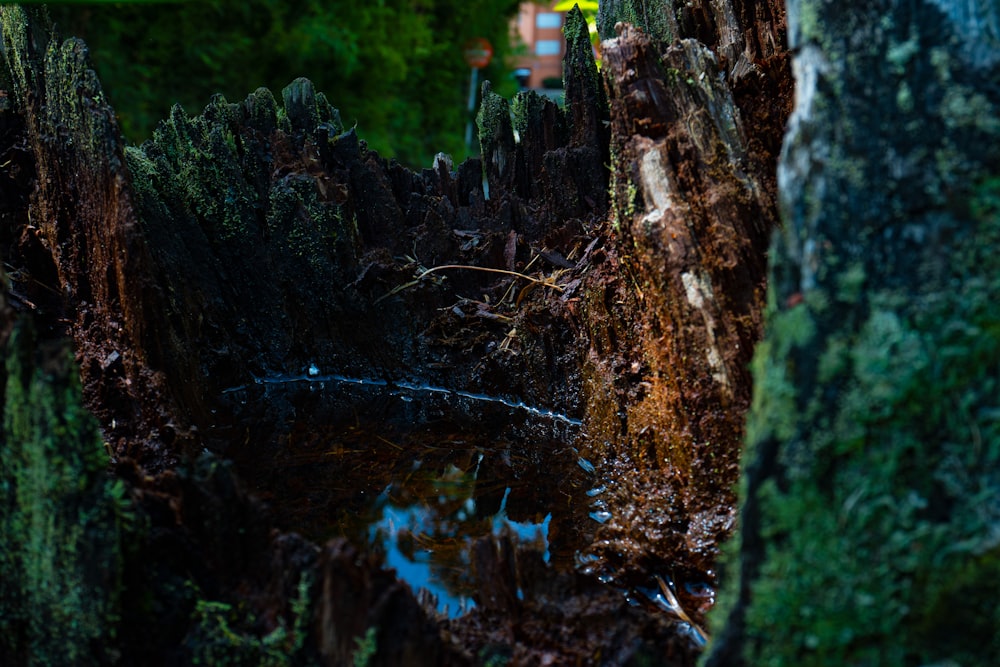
313, 370
699, 589
600, 516
586, 465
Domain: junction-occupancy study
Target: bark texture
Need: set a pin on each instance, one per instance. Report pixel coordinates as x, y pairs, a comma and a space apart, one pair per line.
695, 135
871, 484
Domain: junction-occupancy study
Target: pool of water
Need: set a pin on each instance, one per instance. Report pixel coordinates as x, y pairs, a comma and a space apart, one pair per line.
421, 473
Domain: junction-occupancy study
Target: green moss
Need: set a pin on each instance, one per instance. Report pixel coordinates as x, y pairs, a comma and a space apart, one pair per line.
210, 170
846, 586
654, 19
367, 646
304, 227
59, 519
900, 54
493, 120
631, 198
964, 108
496, 135
872, 477
775, 397
672, 76
526, 105
58, 85
580, 56
14, 25
198, 160
881, 526
223, 635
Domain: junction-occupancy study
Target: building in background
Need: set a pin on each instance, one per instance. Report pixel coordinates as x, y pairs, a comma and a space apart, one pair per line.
540, 28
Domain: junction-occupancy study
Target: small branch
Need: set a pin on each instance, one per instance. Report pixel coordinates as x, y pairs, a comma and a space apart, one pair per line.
544, 283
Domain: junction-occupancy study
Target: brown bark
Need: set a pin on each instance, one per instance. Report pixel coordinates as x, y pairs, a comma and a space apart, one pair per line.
694, 222
696, 134
75, 243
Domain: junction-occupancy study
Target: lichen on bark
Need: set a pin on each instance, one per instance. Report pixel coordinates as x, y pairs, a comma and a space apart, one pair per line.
875, 396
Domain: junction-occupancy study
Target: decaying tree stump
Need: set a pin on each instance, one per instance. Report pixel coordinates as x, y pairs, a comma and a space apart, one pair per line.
256, 243
608, 265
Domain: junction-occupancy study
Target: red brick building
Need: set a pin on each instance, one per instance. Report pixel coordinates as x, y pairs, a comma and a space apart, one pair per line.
540, 29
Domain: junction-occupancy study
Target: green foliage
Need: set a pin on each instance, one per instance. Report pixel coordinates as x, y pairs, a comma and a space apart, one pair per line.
223, 634
393, 66
367, 646
59, 516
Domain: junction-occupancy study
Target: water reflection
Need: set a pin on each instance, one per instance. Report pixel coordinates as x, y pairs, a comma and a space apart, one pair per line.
429, 544
425, 476
422, 482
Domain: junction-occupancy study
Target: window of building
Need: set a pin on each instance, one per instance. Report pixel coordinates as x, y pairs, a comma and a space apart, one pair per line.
548, 47
548, 20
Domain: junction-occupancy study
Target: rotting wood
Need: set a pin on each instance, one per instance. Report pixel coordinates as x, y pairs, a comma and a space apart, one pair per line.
244, 243
694, 206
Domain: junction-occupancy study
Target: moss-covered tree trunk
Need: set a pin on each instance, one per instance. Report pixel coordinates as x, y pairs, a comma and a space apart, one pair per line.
60, 510
871, 486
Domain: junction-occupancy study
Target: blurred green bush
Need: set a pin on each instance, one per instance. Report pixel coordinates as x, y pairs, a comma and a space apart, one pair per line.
394, 67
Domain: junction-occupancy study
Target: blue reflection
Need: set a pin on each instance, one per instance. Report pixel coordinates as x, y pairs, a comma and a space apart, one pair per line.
430, 551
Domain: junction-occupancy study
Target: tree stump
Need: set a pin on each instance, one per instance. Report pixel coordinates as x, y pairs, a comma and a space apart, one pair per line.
255, 245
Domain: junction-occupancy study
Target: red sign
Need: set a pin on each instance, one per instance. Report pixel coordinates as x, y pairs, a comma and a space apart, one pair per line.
478, 52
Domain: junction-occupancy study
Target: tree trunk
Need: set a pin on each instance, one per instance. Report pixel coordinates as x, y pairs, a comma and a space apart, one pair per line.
871, 486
